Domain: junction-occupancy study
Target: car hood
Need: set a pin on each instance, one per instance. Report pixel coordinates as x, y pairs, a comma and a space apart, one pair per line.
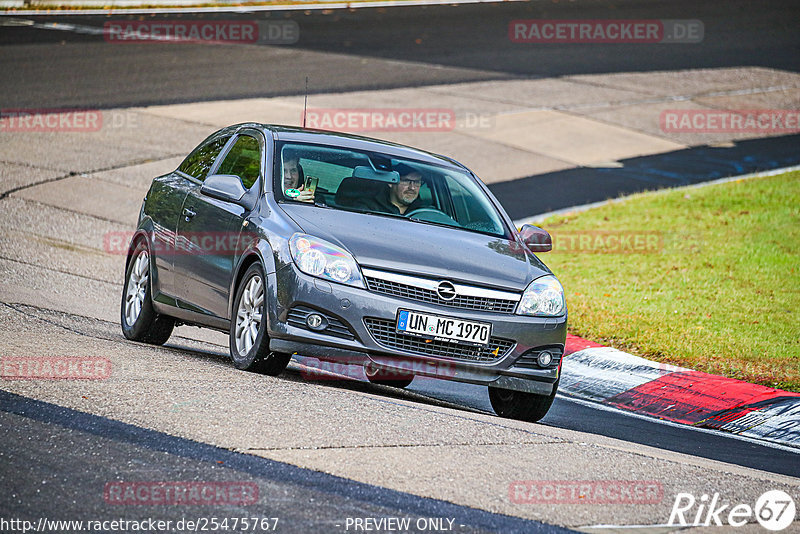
417, 248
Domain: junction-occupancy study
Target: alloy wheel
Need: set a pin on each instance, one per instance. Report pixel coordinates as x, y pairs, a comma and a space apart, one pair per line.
137, 287
248, 315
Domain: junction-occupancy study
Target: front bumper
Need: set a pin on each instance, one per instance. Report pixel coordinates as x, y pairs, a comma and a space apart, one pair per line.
349, 339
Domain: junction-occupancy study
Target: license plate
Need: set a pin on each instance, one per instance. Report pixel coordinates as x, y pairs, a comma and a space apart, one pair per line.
443, 328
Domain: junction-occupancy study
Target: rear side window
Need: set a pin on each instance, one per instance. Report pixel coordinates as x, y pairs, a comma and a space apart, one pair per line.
200, 161
243, 160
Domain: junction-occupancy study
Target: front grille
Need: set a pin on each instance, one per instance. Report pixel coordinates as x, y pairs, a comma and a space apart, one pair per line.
297, 317
464, 302
385, 334
528, 360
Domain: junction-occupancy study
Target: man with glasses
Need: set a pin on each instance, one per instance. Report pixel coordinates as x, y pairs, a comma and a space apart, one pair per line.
405, 192
398, 198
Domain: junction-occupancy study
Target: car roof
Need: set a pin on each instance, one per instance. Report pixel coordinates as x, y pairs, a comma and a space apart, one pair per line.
350, 141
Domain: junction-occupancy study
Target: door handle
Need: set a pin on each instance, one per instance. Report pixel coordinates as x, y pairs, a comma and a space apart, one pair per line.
188, 214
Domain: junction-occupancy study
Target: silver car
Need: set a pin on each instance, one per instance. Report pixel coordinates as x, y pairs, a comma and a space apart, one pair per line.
348, 249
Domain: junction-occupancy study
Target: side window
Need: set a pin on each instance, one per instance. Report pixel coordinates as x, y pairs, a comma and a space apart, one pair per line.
472, 211
243, 160
200, 161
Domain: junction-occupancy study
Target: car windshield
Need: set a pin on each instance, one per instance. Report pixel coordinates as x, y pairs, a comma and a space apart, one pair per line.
379, 184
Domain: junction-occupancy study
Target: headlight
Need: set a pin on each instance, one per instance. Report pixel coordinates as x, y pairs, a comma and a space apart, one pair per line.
544, 297
325, 260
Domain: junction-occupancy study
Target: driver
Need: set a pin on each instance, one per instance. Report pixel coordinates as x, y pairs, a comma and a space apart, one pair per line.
401, 197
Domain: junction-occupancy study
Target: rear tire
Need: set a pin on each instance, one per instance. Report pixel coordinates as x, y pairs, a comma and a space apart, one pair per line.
249, 343
139, 320
521, 405
387, 377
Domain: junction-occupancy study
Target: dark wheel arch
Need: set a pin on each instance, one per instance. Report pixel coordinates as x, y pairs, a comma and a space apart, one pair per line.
246, 261
149, 326
259, 358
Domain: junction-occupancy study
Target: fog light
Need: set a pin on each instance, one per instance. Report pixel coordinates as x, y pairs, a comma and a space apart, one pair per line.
544, 359
316, 321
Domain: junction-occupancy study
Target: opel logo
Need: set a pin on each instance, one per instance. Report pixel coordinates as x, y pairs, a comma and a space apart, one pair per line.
446, 290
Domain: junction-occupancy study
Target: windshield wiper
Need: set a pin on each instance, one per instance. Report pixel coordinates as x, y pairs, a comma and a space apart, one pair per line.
378, 213
459, 227
387, 214
424, 221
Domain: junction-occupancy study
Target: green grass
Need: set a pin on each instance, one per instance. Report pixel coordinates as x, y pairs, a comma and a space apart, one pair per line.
719, 292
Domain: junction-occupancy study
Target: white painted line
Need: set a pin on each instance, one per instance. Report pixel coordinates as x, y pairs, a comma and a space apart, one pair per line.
598, 373
232, 9
605, 407
780, 419
533, 219
588, 385
59, 26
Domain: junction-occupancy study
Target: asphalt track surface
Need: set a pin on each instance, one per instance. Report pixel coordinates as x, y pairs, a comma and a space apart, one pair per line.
368, 49
47, 449
55, 445
376, 48
584, 417
583, 185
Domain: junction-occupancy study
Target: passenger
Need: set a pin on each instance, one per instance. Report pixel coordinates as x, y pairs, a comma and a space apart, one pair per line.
294, 179
401, 197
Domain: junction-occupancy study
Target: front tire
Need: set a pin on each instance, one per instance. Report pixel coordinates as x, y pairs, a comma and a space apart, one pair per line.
139, 320
521, 405
249, 343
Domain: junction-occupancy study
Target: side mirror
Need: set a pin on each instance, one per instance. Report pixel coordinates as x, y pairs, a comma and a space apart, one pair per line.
224, 187
536, 239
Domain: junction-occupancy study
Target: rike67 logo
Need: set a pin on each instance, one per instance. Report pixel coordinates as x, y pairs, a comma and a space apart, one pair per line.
774, 510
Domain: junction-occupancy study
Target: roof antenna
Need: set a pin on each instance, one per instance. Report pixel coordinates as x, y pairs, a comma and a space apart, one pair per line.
305, 104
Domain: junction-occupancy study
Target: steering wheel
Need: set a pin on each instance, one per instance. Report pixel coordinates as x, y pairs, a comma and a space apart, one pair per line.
432, 215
